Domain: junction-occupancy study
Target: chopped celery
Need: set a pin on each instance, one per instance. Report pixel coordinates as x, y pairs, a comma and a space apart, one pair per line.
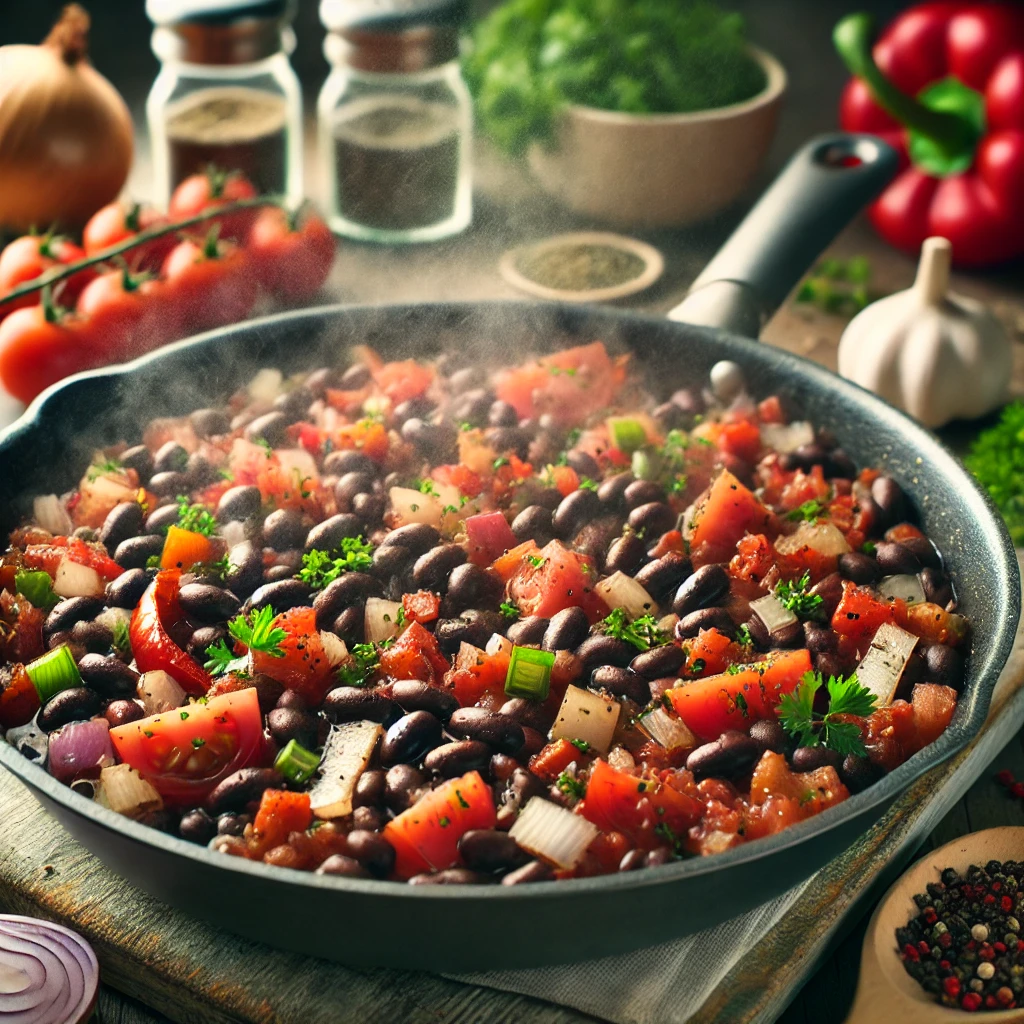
54, 671
529, 673
296, 763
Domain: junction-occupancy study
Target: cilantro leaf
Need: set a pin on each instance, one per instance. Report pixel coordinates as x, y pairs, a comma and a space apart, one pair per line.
221, 659
846, 697
643, 633
743, 637
195, 518
261, 634
509, 610
792, 594
319, 567
102, 468
809, 512
122, 641
586, 484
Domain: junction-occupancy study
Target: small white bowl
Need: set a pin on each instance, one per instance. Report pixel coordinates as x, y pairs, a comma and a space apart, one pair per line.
659, 170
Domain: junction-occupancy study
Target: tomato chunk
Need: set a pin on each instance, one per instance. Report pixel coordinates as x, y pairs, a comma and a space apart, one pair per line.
557, 578
414, 655
281, 813
728, 512
303, 664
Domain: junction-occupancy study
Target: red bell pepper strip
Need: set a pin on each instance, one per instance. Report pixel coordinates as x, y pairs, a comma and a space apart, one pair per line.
944, 85
152, 646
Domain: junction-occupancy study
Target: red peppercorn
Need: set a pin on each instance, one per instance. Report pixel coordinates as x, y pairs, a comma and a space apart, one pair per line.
999, 947
996, 886
1006, 903
987, 952
1020, 945
1017, 790
951, 986
970, 1002
991, 1003
910, 953
945, 940
1005, 777
971, 945
989, 900
923, 948
945, 965
929, 915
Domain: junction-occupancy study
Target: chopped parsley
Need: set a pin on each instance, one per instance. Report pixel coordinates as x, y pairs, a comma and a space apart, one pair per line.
571, 786
581, 745
643, 633
260, 634
868, 547
743, 637
499, 462
792, 594
153, 562
741, 702
846, 697
509, 610
734, 670
697, 665
195, 518
664, 830
444, 821
463, 802
365, 661
536, 560
102, 468
198, 741
426, 486
586, 484
122, 642
809, 512
319, 567
266, 446
226, 474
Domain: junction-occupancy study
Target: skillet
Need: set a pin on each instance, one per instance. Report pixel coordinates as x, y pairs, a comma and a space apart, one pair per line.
459, 928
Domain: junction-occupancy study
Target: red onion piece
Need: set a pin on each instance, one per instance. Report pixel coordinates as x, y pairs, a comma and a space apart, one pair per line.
490, 532
79, 746
48, 974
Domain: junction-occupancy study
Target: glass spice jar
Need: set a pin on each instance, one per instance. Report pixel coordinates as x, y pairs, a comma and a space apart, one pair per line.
226, 95
395, 121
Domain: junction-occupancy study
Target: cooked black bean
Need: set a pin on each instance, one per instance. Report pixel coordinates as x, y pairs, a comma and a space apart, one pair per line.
533, 743
584, 465
830, 590
369, 508
369, 791
71, 610
356, 703
498, 731
704, 588
205, 603
245, 568
371, 819
170, 458
232, 823
652, 520
121, 712
828, 664
354, 378
528, 631
140, 459
759, 632
416, 537
859, 567
471, 586
161, 518
809, 759
895, 559
209, 422
93, 636
200, 471
204, 637
484, 849
768, 734
944, 666
925, 551
414, 695
508, 439
434, 441
642, 492
349, 589
197, 826
622, 682
452, 633
410, 738
284, 528
349, 625
450, 760
603, 650
401, 785
472, 406
242, 788
274, 573
857, 773
732, 754
281, 596
658, 662
338, 463
339, 864
705, 618
123, 521
126, 590
239, 503
806, 457
528, 713
350, 485
287, 724
819, 638
633, 860
373, 851
612, 491
839, 464
271, 427
626, 554
787, 637
74, 705
534, 523
662, 576
328, 535
294, 404
450, 876
531, 871
433, 568
574, 511
170, 483
566, 630
135, 552
501, 414
108, 676
936, 585
891, 501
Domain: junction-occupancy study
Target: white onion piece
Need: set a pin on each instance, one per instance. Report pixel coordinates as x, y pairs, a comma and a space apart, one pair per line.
787, 437
347, 752
773, 613
667, 729
299, 462
687, 518
125, 791
498, 644
622, 591
905, 587
334, 647
77, 747
159, 692
667, 623
265, 386
586, 716
412, 506
232, 533
74, 580
824, 538
380, 619
553, 833
48, 974
880, 669
621, 759
50, 514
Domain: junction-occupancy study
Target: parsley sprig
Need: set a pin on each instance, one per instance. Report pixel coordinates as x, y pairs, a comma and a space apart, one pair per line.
365, 661
103, 467
809, 512
643, 633
320, 567
792, 594
260, 633
846, 697
195, 518
509, 610
571, 786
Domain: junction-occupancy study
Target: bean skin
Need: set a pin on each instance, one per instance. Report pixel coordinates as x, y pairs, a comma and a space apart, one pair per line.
416, 537
528, 713
859, 567
654, 519
162, 518
583, 464
238, 504
603, 650
140, 459
349, 625
664, 575
169, 484
809, 759
122, 712
284, 529
534, 523
287, 724
373, 851
500, 732
123, 521
566, 630
574, 511
706, 618
612, 491
282, 595
242, 788
205, 636
890, 499
704, 588
126, 590
328, 535
642, 492
895, 559
369, 791
205, 603
633, 860
732, 754
135, 552
450, 760
924, 550
471, 586
413, 695
452, 633
490, 851
346, 867
338, 463
348, 589
108, 676
245, 568
857, 773
818, 638
402, 782
170, 458
209, 423
433, 568
621, 682
936, 586
450, 876
355, 703
411, 737
626, 554
197, 826
830, 590
944, 665
658, 662
768, 735
71, 610
531, 871
528, 630
271, 427
76, 704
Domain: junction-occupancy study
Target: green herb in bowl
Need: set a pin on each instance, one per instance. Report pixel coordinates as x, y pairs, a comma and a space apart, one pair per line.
997, 460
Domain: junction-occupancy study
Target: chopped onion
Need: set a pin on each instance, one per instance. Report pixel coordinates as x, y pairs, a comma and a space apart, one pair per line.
265, 386
49, 512
586, 716
334, 647
905, 587
667, 729
824, 538
74, 580
232, 533
667, 623
347, 752
622, 591
553, 833
412, 506
687, 518
773, 613
786, 437
498, 644
880, 669
159, 692
124, 790
78, 747
381, 619
298, 462
48, 974
621, 759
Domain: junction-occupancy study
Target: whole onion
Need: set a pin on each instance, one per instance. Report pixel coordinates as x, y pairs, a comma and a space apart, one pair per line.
65, 132
48, 974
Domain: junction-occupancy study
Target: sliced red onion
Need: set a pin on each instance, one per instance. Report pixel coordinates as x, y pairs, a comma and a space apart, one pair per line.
78, 747
490, 532
48, 974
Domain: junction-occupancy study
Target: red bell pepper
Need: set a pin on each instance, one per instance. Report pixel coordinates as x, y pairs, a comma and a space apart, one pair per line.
152, 645
944, 85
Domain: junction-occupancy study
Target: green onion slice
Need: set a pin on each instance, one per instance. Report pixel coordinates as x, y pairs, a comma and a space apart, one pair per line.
54, 671
627, 434
529, 673
37, 587
296, 763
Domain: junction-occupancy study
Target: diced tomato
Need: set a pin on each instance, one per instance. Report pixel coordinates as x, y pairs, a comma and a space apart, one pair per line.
890, 734
563, 579
19, 700
708, 654
754, 558
742, 439
861, 612
183, 549
603, 855
814, 790
933, 623
729, 511
423, 606
770, 410
403, 380
564, 479
510, 474
554, 759
49, 556
933, 711
670, 540
771, 816
904, 531
426, 836
185, 752
22, 640
303, 664
488, 537
510, 563
805, 487
347, 402
281, 813
711, 706
414, 655
470, 484
367, 436
477, 677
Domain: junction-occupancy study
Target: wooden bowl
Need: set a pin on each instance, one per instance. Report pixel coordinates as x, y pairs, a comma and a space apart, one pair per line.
659, 170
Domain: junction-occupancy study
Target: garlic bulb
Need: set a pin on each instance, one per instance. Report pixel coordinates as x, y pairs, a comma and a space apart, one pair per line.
937, 355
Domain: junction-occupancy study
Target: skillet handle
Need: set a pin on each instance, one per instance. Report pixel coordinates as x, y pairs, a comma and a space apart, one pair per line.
818, 193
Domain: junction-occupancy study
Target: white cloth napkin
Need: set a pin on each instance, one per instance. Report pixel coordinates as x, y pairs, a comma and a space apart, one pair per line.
658, 985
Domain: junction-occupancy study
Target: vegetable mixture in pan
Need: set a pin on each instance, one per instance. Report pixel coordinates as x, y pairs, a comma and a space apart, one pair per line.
426, 622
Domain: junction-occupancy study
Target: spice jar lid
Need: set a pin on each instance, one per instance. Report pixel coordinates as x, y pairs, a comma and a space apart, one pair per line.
221, 32
390, 15
394, 52
216, 12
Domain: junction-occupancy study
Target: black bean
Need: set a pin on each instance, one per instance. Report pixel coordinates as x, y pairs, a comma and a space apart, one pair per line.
197, 826
944, 666
731, 755
369, 791
209, 422
621, 682
471, 586
242, 788
704, 588
282, 595
433, 441
369, 508
93, 636
339, 864
857, 773
350, 485
528, 631
135, 552
642, 492
664, 575
245, 568
566, 630
806, 457
819, 638
200, 471
414, 695
140, 459
472, 406
206, 603
161, 518
652, 520
239, 503
484, 849
354, 378
287, 724
271, 427
500, 732
787, 637
349, 625
465, 377
689, 400
328, 535
830, 590
415, 537
501, 414
349, 589
204, 637
584, 465
452, 633
809, 759
410, 738
626, 554
768, 734
126, 590
759, 633
451, 760
284, 528
356, 703
123, 521
121, 712
895, 559
891, 501
402, 783
612, 491
925, 552
74, 705
508, 439
574, 511
659, 662
706, 618
370, 819
859, 567
936, 585
294, 404
432, 569
170, 458
232, 823
633, 860
534, 523
450, 876
528, 713
531, 871
373, 851
603, 650
108, 676
169, 484
839, 464
71, 610
274, 573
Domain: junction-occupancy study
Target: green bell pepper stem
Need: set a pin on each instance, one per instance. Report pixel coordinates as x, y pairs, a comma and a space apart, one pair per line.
950, 132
